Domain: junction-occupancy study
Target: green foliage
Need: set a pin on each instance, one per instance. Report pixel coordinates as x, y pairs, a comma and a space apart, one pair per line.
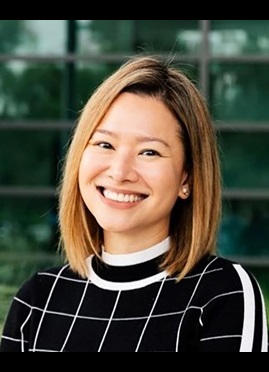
16, 268
31, 92
32, 154
239, 92
12, 33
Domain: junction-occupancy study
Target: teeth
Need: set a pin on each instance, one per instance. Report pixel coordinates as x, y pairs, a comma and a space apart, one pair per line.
126, 198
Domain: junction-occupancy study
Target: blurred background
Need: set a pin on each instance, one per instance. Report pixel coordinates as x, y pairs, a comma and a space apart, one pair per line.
48, 70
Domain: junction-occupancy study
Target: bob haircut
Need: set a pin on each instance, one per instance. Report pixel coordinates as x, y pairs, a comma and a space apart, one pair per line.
194, 221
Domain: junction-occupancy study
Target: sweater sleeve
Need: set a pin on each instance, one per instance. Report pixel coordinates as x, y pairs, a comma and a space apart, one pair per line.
235, 320
15, 337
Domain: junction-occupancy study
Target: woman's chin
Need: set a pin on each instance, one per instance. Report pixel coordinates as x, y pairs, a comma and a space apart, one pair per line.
119, 227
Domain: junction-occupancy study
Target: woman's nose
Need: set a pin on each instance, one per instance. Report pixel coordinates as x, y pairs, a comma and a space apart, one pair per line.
122, 168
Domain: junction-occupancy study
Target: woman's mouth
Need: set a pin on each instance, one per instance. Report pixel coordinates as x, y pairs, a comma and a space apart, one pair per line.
121, 197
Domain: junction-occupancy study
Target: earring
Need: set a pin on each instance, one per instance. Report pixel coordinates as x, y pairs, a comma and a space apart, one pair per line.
185, 191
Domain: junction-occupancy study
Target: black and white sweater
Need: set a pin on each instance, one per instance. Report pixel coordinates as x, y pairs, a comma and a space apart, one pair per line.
128, 305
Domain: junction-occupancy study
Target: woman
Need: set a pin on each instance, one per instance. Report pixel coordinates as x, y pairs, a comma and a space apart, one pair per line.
140, 203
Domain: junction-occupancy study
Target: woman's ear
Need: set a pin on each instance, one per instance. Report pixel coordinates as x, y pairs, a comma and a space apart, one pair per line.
185, 187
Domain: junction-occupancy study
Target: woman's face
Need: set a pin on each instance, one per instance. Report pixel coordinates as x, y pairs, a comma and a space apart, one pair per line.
132, 170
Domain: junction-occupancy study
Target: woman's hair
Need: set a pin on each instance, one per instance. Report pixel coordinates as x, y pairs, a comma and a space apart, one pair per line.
194, 221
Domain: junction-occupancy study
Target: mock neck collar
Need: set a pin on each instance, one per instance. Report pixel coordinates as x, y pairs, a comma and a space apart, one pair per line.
135, 258
129, 271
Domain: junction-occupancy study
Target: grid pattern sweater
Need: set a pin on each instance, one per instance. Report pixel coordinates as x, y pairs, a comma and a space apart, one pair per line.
128, 305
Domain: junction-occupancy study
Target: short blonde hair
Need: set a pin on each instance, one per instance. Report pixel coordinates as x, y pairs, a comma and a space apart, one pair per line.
194, 221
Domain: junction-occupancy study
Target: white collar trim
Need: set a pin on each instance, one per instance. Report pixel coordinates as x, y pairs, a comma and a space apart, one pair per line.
122, 286
135, 258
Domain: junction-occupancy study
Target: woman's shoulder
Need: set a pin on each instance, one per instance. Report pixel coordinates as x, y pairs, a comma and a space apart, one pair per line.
218, 263
225, 272
59, 272
41, 282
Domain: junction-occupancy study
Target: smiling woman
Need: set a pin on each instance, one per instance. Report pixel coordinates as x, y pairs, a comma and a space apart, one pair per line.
139, 213
129, 167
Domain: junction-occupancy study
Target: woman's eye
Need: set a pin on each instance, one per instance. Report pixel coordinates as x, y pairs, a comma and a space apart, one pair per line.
104, 145
150, 153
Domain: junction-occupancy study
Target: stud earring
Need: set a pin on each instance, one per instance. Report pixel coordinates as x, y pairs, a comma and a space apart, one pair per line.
185, 191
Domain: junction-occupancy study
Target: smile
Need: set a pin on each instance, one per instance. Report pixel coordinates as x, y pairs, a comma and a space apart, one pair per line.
121, 197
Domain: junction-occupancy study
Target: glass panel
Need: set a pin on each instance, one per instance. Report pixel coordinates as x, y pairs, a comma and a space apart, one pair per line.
38, 37
90, 75
27, 224
29, 158
30, 91
169, 36
244, 230
99, 36
239, 37
245, 159
239, 91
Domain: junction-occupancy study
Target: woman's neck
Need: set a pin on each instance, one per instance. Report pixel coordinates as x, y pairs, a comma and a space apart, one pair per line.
124, 244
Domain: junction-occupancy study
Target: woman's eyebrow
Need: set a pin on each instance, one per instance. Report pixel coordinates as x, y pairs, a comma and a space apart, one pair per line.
152, 139
140, 138
105, 131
